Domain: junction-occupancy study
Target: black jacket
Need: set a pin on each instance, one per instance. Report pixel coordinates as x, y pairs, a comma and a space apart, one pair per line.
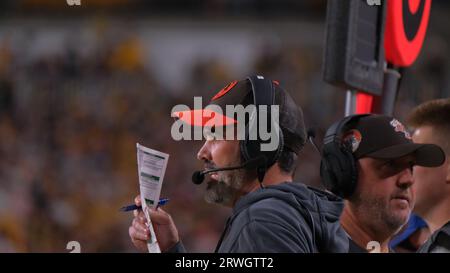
439, 241
288, 217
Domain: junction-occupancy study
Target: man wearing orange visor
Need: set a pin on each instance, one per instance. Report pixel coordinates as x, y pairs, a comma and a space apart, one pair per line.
271, 213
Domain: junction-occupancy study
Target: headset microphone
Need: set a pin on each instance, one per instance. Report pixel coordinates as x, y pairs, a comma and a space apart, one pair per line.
199, 176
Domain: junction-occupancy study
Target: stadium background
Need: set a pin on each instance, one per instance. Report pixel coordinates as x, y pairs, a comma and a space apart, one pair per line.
79, 86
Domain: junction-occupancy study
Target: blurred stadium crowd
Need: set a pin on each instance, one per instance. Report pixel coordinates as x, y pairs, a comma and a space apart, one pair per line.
69, 123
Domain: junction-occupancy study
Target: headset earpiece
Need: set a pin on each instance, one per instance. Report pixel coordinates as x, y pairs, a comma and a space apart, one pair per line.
263, 94
338, 168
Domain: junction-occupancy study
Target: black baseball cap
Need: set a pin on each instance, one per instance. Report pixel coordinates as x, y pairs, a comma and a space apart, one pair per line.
240, 93
384, 137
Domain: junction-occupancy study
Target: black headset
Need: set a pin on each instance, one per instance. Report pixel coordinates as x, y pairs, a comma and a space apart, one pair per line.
263, 94
338, 168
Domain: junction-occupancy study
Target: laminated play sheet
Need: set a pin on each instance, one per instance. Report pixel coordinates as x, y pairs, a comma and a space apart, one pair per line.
151, 169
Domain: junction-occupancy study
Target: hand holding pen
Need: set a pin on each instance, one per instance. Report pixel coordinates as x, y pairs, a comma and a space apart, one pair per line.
163, 225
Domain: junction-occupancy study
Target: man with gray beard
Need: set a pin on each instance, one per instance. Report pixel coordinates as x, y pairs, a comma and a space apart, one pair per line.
368, 160
271, 213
